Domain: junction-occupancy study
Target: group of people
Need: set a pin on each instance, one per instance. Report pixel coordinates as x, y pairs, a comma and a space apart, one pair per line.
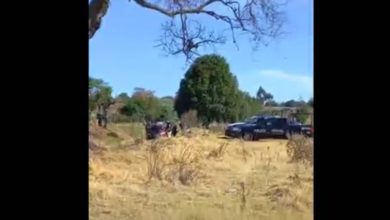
161, 128
153, 128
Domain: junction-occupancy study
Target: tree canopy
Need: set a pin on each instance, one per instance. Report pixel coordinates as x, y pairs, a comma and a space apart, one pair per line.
209, 88
99, 94
263, 96
144, 105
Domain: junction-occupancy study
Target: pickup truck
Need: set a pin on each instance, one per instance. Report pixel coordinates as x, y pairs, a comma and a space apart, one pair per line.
258, 127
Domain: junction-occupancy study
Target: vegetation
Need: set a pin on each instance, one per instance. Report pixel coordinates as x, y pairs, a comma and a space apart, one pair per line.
144, 105
208, 93
201, 177
99, 95
263, 96
209, 88
197, 176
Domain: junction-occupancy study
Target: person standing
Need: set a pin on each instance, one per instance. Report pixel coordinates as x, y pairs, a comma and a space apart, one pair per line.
174, 130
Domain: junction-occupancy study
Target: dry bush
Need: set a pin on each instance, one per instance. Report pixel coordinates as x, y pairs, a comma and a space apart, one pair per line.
137, 131
112, 134
219, 151
245, 153
244, 192
139, 141
155, 161
300, 149
94, 148
164, 165
186, 165
188, 174
295, 179
119, 118
217, 127
292, 194
190, 119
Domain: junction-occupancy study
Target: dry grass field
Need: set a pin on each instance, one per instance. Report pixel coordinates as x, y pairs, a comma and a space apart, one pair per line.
199, 177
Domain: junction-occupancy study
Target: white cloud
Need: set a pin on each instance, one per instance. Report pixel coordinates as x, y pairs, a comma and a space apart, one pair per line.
304, 80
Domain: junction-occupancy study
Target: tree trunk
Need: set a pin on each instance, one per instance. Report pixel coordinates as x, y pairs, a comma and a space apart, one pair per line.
97, 10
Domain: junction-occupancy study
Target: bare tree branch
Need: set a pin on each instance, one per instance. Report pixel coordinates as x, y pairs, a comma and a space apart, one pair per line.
260, 19
173, 13
187, 38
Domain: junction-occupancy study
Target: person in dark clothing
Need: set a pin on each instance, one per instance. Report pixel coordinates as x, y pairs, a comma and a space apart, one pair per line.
99, 119
181, 126
104, 118
174, 130
148, 129
168, 126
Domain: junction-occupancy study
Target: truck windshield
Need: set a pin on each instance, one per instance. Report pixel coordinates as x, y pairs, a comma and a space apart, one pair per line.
251, 120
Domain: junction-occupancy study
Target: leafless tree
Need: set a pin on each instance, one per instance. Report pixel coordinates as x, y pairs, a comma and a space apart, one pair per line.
261, 20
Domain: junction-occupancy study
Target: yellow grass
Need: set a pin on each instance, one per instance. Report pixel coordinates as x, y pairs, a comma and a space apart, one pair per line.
234, 180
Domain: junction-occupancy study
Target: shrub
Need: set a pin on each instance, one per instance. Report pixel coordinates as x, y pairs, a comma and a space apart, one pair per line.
217, 127
300, 149
190, 119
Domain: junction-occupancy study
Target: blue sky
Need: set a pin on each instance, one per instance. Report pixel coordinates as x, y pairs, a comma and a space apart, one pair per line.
122, 53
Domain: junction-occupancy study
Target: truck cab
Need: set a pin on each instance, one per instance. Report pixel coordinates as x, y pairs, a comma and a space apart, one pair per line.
269, 127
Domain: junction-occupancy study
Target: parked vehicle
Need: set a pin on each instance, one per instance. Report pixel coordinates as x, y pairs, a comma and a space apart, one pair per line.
308, 130
160, 129
258, 127
156, 130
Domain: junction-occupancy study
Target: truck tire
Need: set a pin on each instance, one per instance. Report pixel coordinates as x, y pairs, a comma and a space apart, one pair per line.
247, 136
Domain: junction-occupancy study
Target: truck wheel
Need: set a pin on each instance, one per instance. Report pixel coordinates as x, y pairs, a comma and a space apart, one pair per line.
248, 136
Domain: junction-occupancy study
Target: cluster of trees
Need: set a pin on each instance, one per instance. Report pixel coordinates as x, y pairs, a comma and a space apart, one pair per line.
144, 105
212, 90
303, 108
208, 87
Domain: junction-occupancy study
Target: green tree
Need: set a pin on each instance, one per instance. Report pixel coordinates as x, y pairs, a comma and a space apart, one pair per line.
209, 88
133, 110
263, 96
167, 108
272, 103
123, 97
99, 95
302, 114
293, 103
303, 109
144, 105
248, 106
149, 104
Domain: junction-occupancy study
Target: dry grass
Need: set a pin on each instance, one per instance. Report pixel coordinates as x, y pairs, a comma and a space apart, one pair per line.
201, 177
218, 128
219, 151
300, 149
